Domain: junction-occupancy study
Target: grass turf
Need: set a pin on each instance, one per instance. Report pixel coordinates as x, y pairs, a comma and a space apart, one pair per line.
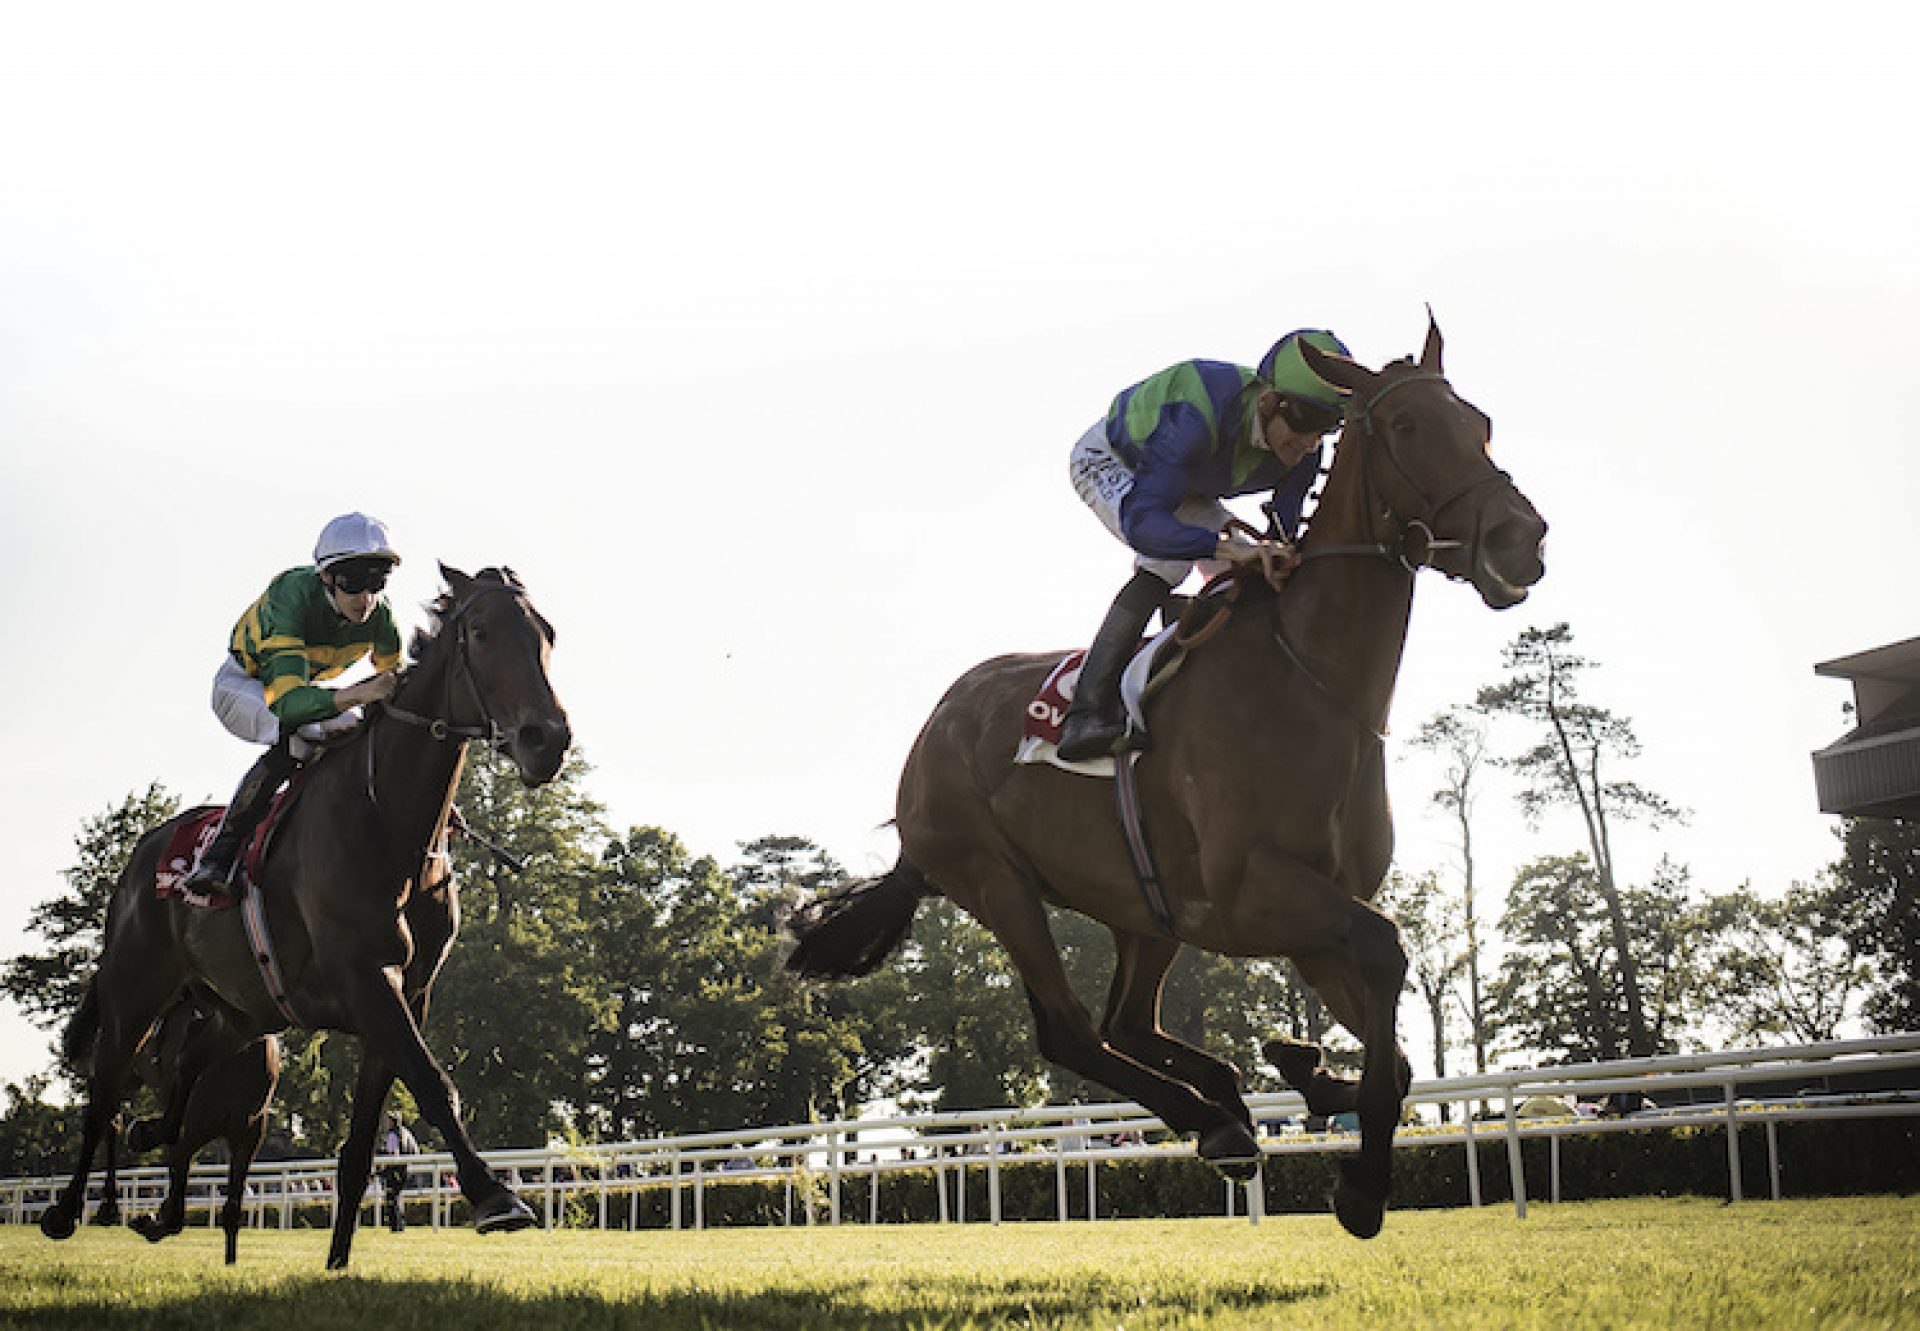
1851, 1262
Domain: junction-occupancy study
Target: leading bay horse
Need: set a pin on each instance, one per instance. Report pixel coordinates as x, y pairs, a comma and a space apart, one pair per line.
358, 924
1264, 792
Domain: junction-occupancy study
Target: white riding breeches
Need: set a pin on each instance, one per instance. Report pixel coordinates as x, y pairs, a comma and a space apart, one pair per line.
1103, 481
240, 701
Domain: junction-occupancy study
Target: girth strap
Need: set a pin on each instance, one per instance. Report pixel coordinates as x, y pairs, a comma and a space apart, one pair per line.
1127, 795
253, 915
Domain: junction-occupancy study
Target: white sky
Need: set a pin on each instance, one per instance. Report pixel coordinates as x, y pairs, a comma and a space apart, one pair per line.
755, 338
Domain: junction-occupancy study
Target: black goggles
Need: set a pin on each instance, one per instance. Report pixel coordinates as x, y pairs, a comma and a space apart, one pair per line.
1309, 417
354, 579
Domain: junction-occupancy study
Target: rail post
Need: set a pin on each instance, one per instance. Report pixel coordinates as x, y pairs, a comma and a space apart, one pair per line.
1473, 1154
1733, 1143
993, 1173
834, 1147
1773, 1157
673, 1163
1060, 1179
1515, 1166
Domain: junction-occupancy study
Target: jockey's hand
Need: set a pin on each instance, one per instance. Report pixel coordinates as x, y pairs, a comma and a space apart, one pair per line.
377, 688
1237, 549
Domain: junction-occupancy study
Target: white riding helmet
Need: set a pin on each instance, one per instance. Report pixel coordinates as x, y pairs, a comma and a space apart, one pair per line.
353, 536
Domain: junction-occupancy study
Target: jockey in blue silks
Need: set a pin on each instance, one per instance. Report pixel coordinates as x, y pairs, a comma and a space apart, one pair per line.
1155, 469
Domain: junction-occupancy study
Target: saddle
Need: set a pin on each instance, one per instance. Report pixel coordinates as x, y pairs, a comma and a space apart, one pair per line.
1189, 621
194, 834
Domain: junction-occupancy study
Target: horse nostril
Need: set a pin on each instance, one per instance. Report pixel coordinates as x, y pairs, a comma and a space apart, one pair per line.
532, 737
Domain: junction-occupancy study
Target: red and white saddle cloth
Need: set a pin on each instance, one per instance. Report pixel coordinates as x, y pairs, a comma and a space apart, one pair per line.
1040, 735
192, 837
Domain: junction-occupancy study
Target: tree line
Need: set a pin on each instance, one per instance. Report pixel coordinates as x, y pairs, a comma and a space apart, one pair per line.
612, 984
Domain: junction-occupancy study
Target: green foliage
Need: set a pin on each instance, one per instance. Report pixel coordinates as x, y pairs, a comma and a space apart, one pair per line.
37, 1139
1875, 899
48, 984
518, 997
1568, 763
1433, 935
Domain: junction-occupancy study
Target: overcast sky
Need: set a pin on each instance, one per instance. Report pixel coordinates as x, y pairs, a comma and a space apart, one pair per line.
755, 337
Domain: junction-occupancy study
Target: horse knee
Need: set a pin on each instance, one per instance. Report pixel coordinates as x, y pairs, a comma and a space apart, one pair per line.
1378, 953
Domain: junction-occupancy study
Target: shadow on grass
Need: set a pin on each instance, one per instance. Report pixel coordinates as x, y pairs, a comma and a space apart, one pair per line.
390, 1305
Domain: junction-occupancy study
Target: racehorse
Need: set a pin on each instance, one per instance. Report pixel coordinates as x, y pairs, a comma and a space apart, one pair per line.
357, 939
229, 1103
1264, 792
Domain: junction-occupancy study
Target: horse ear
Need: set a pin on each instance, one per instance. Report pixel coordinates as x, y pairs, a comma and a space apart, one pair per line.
1430, 354
1336, 370
456, 580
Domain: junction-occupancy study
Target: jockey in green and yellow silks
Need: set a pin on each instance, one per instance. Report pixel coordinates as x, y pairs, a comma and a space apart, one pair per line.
310, 625
1155, 469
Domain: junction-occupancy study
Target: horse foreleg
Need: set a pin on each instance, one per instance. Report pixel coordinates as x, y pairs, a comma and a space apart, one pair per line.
171, 1218
390, 1035
1361, 984
108, 1212
210, 1041
1303, 1066
1132, 1024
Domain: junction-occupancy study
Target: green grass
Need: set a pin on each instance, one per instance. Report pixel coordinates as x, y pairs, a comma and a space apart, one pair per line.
1851, 1262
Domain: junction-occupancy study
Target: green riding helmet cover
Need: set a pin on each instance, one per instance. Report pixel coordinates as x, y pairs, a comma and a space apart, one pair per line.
1286, 369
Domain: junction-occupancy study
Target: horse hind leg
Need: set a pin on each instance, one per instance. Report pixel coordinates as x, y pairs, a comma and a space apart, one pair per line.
113, 1044
243, 1145
1002, 901
1132, 1024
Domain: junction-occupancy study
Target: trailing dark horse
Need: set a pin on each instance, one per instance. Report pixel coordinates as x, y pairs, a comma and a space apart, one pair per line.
1264, 792
358, 937
229, 1103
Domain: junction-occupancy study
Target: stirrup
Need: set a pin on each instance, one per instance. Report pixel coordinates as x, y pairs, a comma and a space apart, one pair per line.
1105, 732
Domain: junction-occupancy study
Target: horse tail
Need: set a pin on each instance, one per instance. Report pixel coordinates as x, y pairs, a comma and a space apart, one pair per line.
83, 1027
852, 929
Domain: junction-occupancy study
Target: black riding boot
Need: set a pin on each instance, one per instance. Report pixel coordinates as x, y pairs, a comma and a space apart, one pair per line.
1094, 723
250, 803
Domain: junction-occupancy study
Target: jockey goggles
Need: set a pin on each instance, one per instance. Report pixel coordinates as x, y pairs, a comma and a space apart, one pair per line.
355, 578
1309, 417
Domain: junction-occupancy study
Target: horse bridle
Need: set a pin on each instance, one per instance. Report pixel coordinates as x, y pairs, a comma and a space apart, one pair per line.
1398, 549
439, 727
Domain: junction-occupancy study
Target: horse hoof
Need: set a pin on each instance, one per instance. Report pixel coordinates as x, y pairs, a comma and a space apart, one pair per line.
106, 1216
1231, 1149
56, 1224
1294, 1060
150, 1228
1361, 1213
336, 1261
503, 1214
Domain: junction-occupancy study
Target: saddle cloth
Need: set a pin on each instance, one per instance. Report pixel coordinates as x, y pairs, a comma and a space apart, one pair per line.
190, 841
1040, 734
